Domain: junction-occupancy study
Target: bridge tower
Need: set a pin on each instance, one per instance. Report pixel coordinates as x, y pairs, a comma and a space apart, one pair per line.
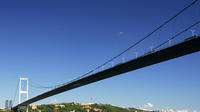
21, 91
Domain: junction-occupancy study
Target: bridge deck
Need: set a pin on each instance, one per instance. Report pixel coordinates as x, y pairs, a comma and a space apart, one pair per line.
181, 49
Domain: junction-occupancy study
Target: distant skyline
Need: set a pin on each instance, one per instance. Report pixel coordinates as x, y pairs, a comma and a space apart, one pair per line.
52, 42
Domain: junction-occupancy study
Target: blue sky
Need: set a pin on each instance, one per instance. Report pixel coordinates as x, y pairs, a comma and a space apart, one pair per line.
52, 42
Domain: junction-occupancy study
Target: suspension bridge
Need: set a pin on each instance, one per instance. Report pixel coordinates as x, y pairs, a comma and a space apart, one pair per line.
156, 55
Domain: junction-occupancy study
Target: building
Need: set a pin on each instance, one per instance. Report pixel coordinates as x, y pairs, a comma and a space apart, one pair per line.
10, 103
87, 106
60, 105
97, 110
33, 106
6, 104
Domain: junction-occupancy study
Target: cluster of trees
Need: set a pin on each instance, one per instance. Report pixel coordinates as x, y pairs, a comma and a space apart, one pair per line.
5, 110
51, 107
111, 108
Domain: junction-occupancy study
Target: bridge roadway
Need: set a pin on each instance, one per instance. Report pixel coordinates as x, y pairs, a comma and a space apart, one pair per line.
181, 49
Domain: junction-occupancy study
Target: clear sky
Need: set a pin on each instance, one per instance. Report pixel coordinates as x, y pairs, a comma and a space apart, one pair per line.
52, 42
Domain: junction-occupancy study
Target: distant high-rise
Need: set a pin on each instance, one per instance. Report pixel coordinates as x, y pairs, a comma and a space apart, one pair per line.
6, 104
10, 103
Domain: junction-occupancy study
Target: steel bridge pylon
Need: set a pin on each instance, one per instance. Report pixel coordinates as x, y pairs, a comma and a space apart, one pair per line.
21, 91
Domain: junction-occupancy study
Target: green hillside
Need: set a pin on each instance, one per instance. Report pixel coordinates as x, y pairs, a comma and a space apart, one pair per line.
76, 107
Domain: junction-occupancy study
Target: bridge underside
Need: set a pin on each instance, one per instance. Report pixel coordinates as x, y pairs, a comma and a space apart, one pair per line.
181, 49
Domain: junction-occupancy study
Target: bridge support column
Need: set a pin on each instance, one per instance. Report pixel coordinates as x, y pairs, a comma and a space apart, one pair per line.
16, 110
27, 108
